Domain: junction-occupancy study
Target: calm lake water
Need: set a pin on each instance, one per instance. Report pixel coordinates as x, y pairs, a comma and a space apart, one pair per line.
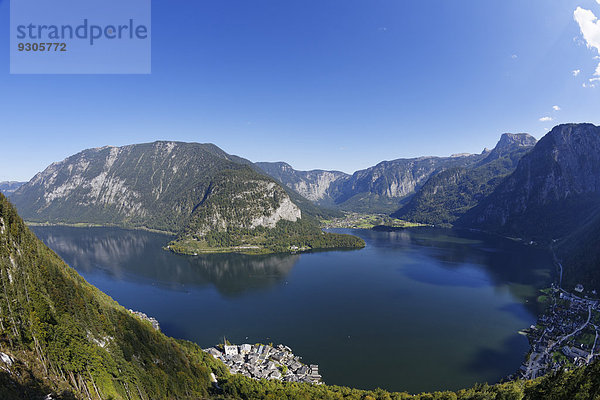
416, 310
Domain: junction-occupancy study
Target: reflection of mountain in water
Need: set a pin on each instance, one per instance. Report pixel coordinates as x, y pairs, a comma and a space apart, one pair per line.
507, 263
138, 255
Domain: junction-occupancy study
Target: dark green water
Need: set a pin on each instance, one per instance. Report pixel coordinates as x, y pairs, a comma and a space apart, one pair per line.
416, 310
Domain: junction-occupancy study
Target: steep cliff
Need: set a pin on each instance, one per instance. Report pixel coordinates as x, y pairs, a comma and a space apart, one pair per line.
154, 185
314, 185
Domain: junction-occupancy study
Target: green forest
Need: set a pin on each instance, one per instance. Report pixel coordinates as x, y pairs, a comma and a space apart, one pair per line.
287, 236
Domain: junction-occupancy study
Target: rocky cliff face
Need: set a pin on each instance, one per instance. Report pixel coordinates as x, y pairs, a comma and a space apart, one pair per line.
156, 185
552, 190
377, 189
242, 202
313, 185
399, 178
509, 143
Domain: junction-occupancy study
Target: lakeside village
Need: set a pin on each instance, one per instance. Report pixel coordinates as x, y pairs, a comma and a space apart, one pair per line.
260, 361
566, 334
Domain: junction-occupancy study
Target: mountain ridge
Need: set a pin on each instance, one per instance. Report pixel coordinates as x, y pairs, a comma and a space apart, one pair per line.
449, 194
191, 189
559, 177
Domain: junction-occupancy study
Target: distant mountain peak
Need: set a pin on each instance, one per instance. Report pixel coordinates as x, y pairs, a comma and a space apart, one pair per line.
460, 155
510, 142
554, 188
519, 139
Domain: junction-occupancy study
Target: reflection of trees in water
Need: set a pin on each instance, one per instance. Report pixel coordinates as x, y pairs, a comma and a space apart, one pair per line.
132, 255
233, 274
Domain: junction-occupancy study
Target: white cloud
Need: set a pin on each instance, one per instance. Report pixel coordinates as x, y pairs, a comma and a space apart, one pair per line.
576, 72
514, 56
557, 108
589, 26
546, 119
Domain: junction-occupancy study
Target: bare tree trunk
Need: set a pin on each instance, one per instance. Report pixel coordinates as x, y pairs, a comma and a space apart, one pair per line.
94, 384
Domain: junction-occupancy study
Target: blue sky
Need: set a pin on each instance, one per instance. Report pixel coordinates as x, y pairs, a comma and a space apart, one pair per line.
331, 84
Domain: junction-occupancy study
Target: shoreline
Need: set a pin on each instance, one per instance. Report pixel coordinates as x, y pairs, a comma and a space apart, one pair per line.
93, 225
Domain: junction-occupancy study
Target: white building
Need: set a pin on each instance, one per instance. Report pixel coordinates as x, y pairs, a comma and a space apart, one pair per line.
231, 350
245, 349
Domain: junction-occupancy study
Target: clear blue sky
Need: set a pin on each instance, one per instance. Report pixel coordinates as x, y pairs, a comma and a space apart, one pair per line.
332, 84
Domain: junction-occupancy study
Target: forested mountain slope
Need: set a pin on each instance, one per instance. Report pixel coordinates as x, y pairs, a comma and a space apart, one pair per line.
554, 189
451, 193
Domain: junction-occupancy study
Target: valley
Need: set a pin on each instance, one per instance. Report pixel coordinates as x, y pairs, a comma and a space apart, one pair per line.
248, 237
300, 200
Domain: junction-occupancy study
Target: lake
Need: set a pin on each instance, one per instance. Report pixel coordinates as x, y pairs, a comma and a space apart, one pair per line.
419, 309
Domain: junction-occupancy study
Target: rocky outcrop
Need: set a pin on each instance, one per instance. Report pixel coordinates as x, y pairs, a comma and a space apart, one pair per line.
285, 210
313, 185
254, 203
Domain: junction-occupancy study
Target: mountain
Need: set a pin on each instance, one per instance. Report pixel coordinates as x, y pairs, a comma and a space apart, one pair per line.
210, 198
379, 189
153, 185
61, 338
8, 187
554, 189
451, 193
313, 185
